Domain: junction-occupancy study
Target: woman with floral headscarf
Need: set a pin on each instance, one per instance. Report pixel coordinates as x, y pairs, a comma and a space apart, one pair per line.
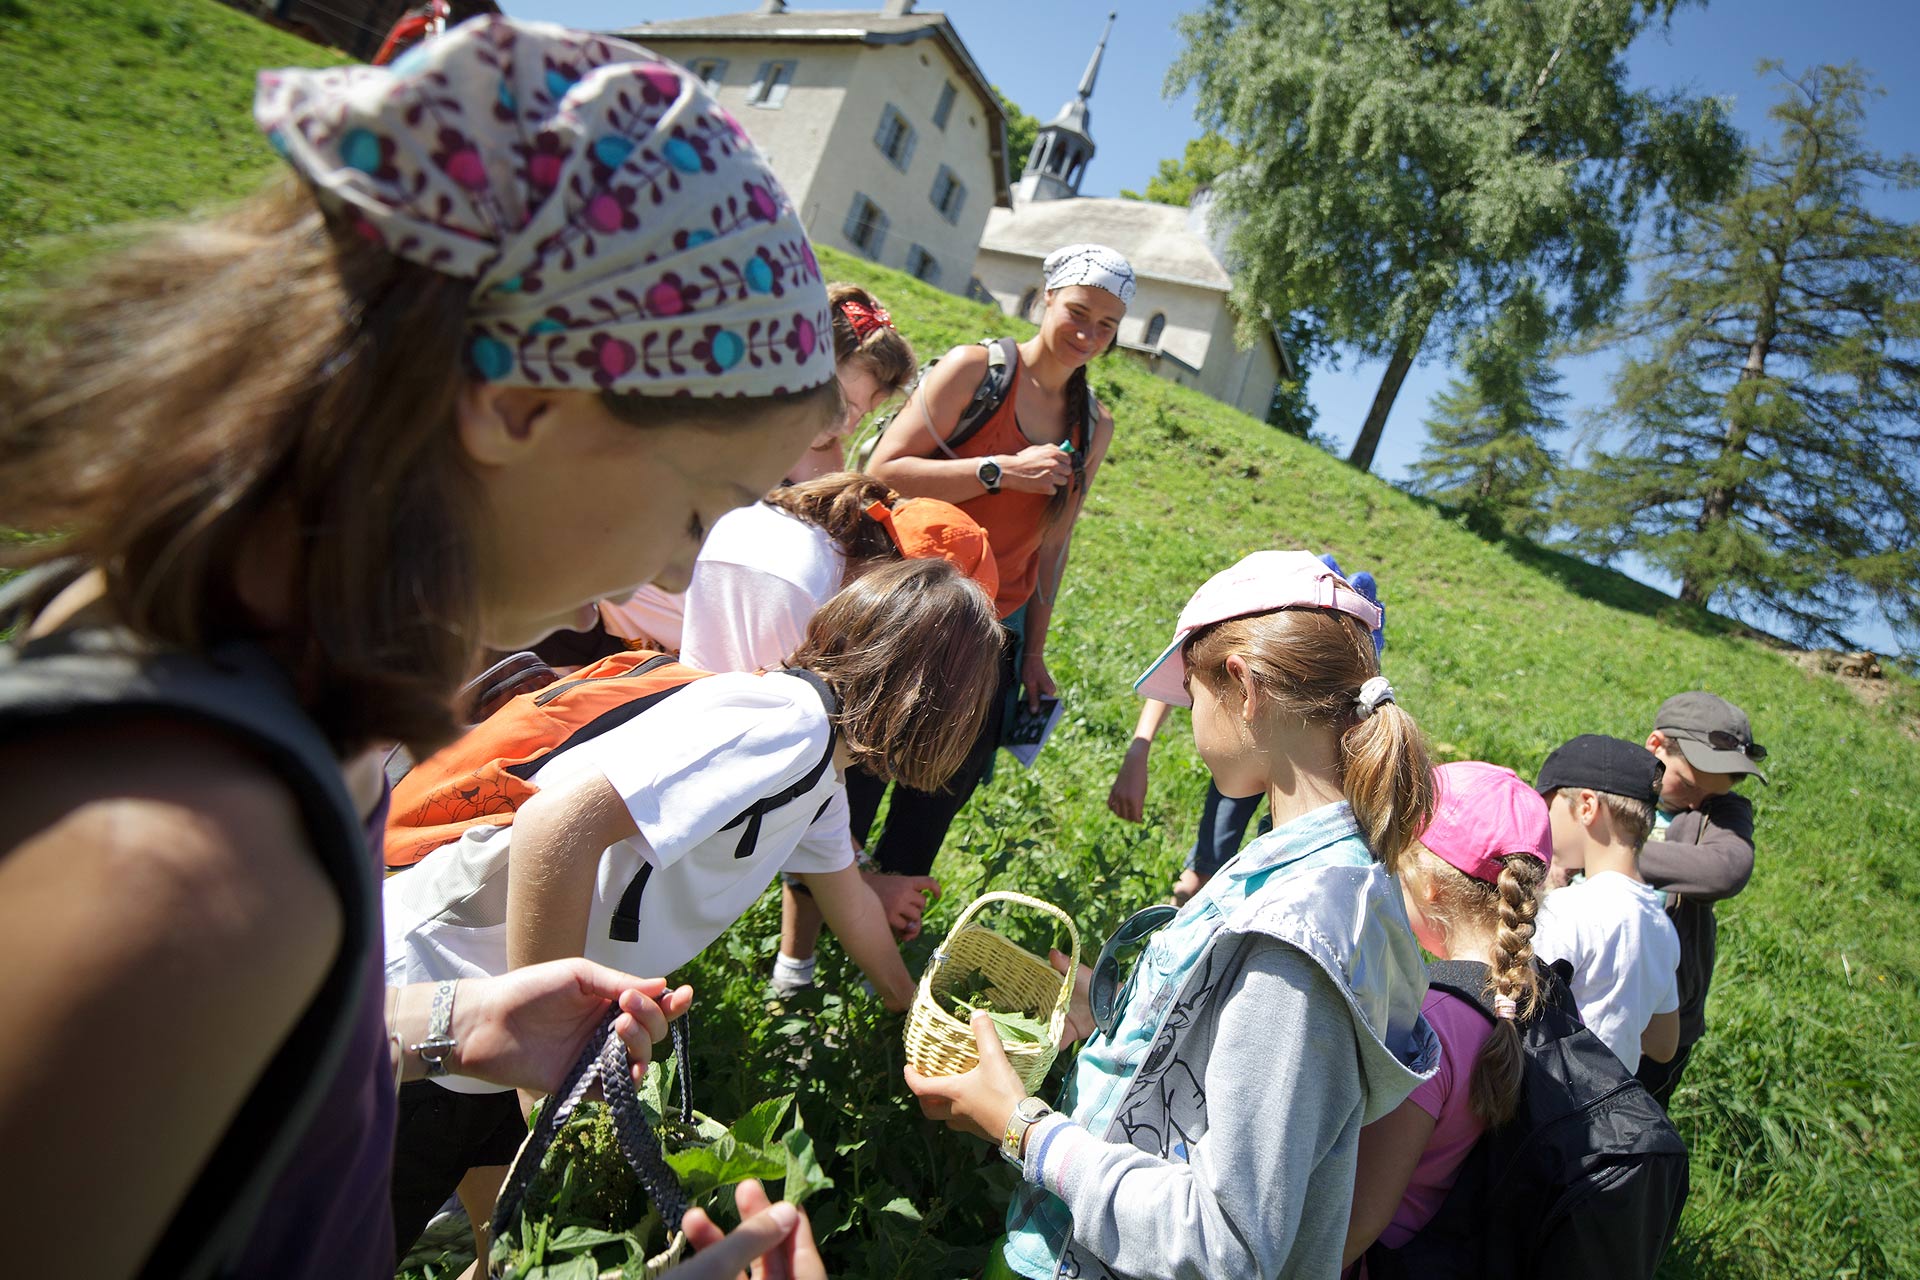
533, 314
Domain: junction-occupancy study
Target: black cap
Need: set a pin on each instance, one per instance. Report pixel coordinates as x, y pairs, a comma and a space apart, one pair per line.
1711, 733
1599, 763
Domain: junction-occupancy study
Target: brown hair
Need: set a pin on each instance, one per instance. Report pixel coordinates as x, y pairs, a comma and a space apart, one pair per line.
268, 365
913, 651
837, 502
1631, 818
884, 352
1310, 663
1505, 910
1079, 396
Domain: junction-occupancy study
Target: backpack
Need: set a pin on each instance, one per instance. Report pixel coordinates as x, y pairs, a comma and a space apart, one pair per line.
995, 385
1586, 1181
484, 777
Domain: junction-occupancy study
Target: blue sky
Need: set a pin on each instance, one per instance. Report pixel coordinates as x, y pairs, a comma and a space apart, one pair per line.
1710, 50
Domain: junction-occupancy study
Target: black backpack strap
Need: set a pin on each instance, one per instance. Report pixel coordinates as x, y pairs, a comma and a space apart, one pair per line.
1463, 979
625, 926
1003, 357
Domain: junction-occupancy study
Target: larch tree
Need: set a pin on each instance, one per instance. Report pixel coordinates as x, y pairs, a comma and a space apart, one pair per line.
1488, 434
1767, 416
1412, 164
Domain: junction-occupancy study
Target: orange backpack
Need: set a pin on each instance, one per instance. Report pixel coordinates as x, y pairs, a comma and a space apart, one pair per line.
485, 776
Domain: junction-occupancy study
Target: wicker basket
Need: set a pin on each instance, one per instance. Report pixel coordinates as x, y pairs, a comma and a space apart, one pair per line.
939, 1044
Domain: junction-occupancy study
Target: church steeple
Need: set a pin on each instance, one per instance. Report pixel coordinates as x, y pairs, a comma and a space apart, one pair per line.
1064, 144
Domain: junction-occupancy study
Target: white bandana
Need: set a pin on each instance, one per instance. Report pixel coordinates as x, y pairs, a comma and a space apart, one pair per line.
1092, 264
621, 230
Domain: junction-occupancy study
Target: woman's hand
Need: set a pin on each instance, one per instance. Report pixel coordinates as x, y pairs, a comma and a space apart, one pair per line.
904, 898
1079, 1023
980, 1101
1036, 681
772, 1242
1128, 798
526, 1027
1038, 468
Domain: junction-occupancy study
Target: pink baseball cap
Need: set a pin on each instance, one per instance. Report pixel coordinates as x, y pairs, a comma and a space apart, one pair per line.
1482, 813
1260, 583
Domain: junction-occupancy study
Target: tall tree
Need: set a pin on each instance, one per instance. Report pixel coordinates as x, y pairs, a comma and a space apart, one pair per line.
1412, 163
1022, 129
1770, 403
1204, 160
1487, 448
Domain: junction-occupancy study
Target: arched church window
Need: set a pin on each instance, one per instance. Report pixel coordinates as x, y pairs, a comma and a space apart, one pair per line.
1156, 327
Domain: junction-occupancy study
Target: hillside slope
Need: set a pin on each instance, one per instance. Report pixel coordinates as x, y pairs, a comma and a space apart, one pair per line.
1803, 1104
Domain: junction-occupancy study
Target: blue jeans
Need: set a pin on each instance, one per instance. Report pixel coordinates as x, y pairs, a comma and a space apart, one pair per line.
1223, 828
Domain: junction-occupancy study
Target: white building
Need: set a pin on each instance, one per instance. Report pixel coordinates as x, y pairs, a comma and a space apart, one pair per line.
1180, 324
887, 137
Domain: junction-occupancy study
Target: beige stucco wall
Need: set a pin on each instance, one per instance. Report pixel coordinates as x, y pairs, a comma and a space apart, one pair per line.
1243, 379
820, 139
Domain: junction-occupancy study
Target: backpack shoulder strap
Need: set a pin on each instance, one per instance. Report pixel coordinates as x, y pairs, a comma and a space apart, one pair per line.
1463, 979
1003, 357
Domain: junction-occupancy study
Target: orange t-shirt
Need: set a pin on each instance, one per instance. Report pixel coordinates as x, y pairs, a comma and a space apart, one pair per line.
1015, 522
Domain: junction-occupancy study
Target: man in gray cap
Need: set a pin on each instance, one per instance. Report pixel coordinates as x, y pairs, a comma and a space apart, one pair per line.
1701, 850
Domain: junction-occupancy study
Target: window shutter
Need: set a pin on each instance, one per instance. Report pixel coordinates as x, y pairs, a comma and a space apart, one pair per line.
782, 81
852, 229
886, 127
957, 202
758, 93
906, 151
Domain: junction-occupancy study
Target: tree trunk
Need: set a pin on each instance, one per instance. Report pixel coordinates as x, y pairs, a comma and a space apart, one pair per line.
1717, 507
1397, 366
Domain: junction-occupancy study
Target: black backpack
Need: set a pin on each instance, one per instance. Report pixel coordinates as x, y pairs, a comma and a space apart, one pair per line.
995, 384
1586, 1180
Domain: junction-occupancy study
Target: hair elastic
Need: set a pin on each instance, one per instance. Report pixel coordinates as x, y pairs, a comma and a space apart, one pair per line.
865, 319
1374, 692
1506, 1007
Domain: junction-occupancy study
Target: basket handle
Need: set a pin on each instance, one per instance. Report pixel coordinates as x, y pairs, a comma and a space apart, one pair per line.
1065, 999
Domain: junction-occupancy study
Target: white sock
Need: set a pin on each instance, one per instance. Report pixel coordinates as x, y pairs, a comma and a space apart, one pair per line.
789, 975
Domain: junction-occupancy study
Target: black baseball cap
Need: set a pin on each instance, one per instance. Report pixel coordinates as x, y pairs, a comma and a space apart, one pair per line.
1599, 763
1711, 733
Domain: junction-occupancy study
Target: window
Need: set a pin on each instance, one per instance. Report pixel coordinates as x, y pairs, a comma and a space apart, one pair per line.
711, 71
922, 264
1155, 327
949, 194
770, 85
895, 138
940, 113
866, 226
1027, 302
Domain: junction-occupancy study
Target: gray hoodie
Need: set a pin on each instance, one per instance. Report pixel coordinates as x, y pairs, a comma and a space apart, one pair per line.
1232, 1151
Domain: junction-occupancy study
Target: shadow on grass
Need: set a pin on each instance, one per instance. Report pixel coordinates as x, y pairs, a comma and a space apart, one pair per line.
1594, 582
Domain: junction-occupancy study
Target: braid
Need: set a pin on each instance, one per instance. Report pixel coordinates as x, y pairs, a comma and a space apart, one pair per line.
1063, 497
1494, 1091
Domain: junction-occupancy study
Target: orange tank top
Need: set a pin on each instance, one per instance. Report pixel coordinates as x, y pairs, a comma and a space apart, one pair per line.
1015, 522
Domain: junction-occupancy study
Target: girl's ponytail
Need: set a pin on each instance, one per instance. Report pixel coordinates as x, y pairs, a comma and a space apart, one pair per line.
838, 502
1494, 1089
1388, 780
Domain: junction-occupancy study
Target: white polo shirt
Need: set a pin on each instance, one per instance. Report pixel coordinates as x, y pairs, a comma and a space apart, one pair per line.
685, 768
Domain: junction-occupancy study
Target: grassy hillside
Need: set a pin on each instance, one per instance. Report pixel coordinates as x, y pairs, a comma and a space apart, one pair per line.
1802, 1106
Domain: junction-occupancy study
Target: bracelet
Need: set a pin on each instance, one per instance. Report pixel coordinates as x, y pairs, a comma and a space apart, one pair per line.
439, 1044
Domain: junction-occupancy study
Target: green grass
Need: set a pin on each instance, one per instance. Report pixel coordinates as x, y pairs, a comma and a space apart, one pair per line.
1802, 1106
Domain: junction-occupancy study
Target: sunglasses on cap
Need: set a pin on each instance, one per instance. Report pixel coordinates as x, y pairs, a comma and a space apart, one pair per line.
1720, 740
1103, 990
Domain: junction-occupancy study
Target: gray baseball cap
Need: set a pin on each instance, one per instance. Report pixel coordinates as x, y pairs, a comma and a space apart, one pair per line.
1711, 733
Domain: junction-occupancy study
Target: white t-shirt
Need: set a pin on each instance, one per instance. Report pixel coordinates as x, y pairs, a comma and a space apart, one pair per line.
761, 576
685, 768
1615, 933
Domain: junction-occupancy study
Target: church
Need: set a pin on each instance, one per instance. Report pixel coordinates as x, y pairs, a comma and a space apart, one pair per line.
1180, 324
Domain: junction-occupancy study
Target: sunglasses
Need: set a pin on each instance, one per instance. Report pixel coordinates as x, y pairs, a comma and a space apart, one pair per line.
1103, 991
1721, 740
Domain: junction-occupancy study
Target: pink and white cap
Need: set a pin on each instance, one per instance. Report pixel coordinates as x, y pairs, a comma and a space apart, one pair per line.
1482, 813
1260, 583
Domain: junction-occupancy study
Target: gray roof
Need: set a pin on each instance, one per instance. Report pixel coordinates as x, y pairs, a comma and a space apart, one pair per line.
1154, 237
866, 26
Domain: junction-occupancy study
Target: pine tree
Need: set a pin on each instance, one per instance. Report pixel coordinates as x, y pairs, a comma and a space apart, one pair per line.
1487, 451
1769, 409
1411, 164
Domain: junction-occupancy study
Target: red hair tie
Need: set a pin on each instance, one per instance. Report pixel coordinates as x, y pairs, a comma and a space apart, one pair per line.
865, 319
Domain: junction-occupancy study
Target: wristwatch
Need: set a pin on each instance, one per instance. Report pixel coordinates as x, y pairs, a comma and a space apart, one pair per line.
439, 1043
1025, 1113
989, 473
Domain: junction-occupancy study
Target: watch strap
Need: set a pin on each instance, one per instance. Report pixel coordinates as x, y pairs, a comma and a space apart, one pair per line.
439, 1043
1026, 1113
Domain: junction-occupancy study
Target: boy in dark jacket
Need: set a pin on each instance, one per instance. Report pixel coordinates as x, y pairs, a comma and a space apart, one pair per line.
1701, 850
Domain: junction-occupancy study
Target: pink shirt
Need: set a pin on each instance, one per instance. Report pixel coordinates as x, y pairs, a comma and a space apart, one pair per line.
1462, 1029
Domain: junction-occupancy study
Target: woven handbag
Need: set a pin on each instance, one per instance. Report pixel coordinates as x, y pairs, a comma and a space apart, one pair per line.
939, 1044
605, 1062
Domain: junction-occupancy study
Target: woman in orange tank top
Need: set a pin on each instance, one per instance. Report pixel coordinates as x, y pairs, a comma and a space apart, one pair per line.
1019, 477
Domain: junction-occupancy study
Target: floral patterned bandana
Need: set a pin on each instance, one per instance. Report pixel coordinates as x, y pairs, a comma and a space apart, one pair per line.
621, 230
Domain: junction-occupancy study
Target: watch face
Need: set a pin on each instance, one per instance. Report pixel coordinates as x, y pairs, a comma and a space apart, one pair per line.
990, 472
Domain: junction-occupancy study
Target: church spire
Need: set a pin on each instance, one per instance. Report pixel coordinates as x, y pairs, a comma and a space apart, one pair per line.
1093, 67
1065, 143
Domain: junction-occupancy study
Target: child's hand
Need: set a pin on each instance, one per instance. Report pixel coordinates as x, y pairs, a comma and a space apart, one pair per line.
1036, 682
904, 899
1079, 1024
777, 1240
980, 1101
1128, 798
